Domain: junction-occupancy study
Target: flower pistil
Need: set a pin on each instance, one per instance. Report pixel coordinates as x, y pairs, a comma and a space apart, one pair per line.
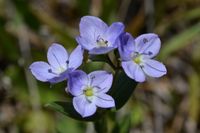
88, 92
102, 42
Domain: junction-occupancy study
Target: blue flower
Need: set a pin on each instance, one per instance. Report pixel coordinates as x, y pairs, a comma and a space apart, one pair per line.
60, 64
137, 56
89, 91
96, 36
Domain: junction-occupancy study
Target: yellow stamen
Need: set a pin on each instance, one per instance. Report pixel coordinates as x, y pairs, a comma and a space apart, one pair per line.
137, 59
88, 91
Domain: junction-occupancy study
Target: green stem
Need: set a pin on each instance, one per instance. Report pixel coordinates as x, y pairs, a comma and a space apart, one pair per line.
101, 125
110, 62
117, 57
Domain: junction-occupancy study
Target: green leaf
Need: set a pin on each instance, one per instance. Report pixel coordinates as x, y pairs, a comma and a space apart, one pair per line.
123, 126
122, 89
102, 58
66, 108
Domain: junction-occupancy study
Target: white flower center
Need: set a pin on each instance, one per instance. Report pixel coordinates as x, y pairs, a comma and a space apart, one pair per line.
57, 71
102, 42
137, 58
60, 70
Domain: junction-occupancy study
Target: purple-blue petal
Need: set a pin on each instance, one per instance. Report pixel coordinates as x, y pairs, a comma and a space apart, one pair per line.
76, 82
139, 74
154, 68
91, 27
40, 70
102, 80
113, 32
57, 56
83, 106
101, 50
148, 44
133, 71
104, 101
76, 57
126, 47
85, 43
61, 77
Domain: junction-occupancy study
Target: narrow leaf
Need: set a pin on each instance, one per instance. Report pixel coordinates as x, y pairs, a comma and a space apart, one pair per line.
102, 58
122, 89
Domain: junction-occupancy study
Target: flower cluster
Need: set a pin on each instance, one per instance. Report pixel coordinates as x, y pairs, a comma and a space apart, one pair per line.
96, 37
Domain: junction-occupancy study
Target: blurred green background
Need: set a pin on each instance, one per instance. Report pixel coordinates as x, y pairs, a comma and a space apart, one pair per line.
170, 104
